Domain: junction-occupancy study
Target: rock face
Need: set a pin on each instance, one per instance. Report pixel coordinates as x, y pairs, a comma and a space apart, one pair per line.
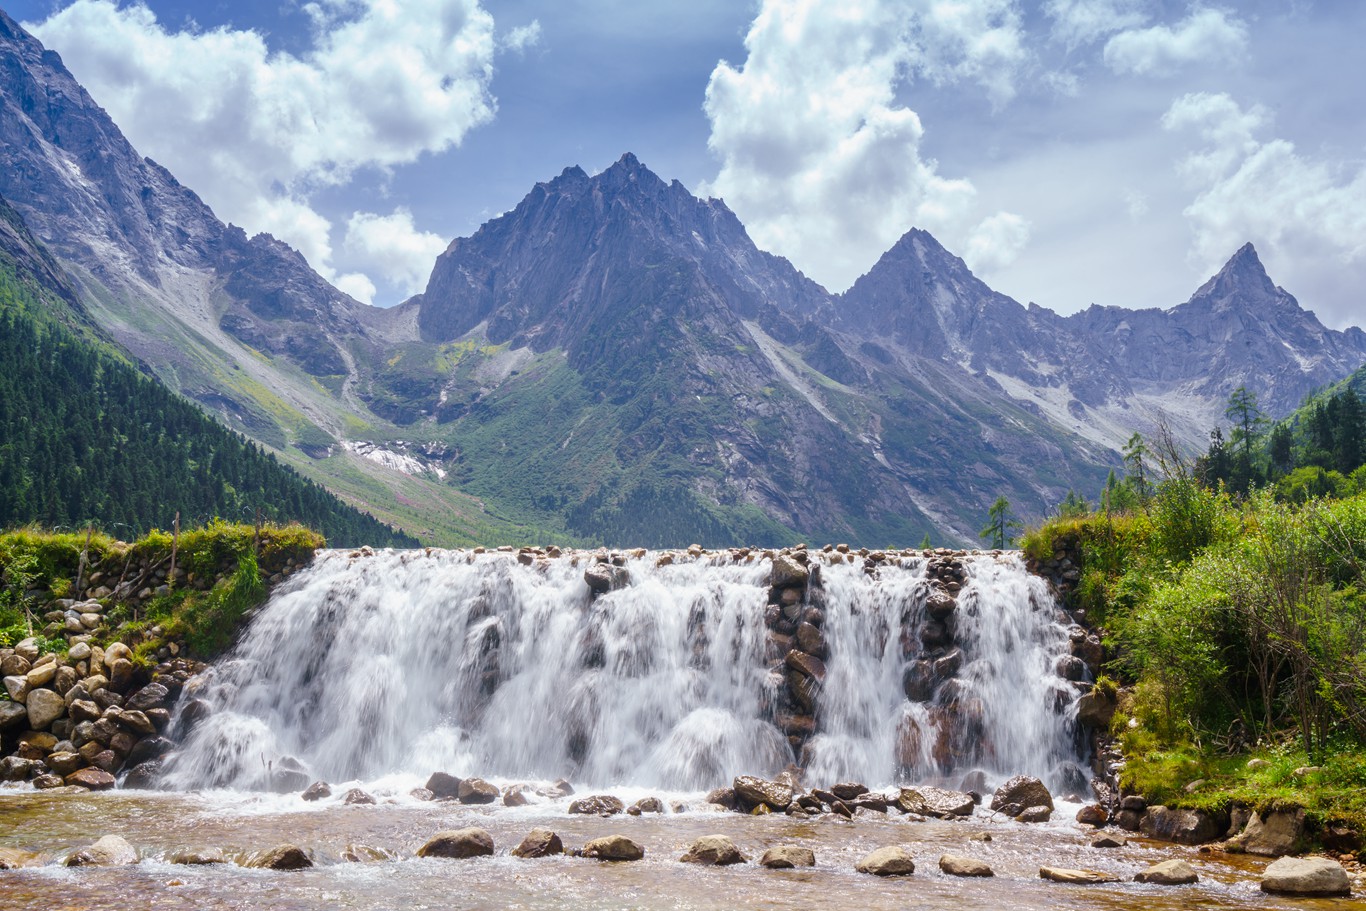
957, 865
109, 851
1168, 873
785, 857
1306, 876
713, 851
613, 847
458, 844
1273, 834
893, 860
539, 843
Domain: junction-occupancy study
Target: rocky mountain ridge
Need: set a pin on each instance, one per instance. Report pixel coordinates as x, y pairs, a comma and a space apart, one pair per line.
614, 359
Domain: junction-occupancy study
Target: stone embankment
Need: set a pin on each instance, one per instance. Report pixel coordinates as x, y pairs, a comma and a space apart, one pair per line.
92, 694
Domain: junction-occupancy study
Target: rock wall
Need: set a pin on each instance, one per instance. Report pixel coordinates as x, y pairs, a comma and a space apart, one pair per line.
92, 695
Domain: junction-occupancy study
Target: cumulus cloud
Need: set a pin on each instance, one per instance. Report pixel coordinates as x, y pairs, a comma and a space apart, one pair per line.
523, 37
391, 246
996, 242
1265, 191
818, 158
254, 131
1079, 22
1206, 36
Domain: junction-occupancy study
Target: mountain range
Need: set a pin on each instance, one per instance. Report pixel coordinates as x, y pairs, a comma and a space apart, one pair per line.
615, 360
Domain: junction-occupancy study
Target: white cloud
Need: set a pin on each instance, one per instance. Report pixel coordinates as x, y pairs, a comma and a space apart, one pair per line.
996, 242
818, 158
255, 132
391, 246
1265, 191
358, 286
522, 37
1079, 22
1206, 36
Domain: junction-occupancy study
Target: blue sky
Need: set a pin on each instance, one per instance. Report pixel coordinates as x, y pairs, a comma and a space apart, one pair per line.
1072, 151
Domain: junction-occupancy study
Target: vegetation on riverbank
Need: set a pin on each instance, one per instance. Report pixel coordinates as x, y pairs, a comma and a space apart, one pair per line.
219, 573
1237, 624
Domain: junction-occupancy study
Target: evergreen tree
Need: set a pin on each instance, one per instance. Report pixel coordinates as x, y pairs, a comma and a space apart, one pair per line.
999, 524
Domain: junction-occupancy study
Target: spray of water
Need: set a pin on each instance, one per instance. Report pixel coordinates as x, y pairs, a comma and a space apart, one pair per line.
406, 662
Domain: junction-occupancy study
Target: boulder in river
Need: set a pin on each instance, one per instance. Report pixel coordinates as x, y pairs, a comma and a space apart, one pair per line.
752, 791
958, 865
1306, 876
318, 790
936, 802
357, 797
477, 791
786, 857
92, 778
1034, 814
892, 860
1020, 793
539, 843
1168, 873
613, 847
604, 577
281, 857
458, 844
713, 851
597, 805
1076, 877
109, 851
1093, 815
1187, 827
443, 786
645, 805
197, 858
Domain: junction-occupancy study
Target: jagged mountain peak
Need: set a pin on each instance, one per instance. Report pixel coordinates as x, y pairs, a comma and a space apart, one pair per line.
1243, 278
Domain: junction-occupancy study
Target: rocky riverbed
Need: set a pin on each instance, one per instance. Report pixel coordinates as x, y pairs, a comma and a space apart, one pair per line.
366, 856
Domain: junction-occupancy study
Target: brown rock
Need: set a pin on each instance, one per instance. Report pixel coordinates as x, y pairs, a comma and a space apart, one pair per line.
613, 847
1306, 876
1020, 793
957, 865
893, 860
1187, 827
597, 805
458, 844
713, 851
1168, 873
109, 851
281, 857
477, 791
539, 843
752, 791
1076, 877
443, 786
94, 779
786, 857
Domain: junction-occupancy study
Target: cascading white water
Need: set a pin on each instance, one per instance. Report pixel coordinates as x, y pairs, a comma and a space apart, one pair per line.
407, 662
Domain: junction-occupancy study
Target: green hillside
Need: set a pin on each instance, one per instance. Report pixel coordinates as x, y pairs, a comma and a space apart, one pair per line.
86, 438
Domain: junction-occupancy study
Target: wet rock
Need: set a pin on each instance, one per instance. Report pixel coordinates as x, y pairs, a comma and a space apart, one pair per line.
788, 572
1092, 815
722, 797
44, 707
848, 790
197, 858
613, 847
1306, 876
65, 762
1270, 834
1187, 827
1133, 802
149, 748
94, 779
875, 802
477, 791
1034, 814
515, 796
458, 844
443, 786
940, 604
893, 860
604, 577
786, 857
646, 805
539, 843
136, 721
1168, 873
1129, 820
281, 857
561, 788
144, 776
806, 665
1020, 793
811, 640
357, 797
1076, 877
367, 854
109, 851
1108, 841
48, 782
936, 802
918, 681
958, 865
421, 794
753, 791
713, 851
1070, 667
597, 805
1096, 708
14, 859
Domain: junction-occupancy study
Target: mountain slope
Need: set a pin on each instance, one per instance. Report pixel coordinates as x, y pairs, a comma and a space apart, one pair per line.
87, 438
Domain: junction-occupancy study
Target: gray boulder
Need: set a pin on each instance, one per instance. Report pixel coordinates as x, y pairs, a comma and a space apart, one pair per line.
1168, 873
1306, 876
713, 851
109, 851
786, 857
893, 860
458, 844
958, 865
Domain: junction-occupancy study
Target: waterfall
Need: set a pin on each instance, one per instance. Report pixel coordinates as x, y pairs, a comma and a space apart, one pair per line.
369, 665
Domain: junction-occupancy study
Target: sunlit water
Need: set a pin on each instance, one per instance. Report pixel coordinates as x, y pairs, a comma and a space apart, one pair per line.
159, 824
